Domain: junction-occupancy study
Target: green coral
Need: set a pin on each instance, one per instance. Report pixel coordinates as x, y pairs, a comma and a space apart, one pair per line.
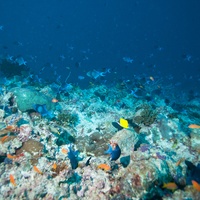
68, 119
146, 115
26, 98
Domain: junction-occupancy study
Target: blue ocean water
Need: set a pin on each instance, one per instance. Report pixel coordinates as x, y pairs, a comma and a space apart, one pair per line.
59, 37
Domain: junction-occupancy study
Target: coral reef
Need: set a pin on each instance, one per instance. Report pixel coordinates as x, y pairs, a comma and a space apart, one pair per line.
33, 147
65, 138
26, 98
24, 132
126, 139
94, 184
68, 119
95, 144
145, 115
195, 140
58, 169
64, 157
2, 114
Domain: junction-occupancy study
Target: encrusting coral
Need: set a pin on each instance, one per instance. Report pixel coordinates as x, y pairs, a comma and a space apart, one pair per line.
33, 147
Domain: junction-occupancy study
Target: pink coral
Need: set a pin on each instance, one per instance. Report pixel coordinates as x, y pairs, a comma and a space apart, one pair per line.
24, 132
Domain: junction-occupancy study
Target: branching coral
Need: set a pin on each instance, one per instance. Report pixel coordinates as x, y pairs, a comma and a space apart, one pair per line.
145, 115
68, 119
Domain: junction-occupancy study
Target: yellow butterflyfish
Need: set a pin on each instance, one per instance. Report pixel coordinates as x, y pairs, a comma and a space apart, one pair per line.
123, 123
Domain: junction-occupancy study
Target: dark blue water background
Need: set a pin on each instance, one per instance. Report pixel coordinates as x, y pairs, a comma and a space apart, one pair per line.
97, 34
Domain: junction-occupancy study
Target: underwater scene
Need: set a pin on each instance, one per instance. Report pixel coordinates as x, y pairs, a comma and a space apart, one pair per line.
99, 100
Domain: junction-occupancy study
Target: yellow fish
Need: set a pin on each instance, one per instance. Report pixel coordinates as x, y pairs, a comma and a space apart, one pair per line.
194, 126
170, 186
123, 123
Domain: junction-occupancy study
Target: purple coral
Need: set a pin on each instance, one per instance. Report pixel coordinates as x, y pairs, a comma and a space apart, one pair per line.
161, 157
144, 147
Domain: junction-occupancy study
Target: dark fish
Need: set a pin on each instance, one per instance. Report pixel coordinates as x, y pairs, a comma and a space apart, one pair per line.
114, 152
7, 161
2, 158
117, 126
72, 155
193, 172
88, 161
77, 64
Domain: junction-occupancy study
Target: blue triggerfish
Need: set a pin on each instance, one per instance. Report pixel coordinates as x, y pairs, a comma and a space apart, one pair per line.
42, 109
192, 173
72, 155
114, 151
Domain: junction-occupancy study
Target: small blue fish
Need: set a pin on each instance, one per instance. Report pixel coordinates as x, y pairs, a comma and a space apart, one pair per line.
114, 151
128, 59
95, 74
72, 155
81, 77
20, 61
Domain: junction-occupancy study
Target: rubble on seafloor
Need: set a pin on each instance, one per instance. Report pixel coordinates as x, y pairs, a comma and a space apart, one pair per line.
34, 148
